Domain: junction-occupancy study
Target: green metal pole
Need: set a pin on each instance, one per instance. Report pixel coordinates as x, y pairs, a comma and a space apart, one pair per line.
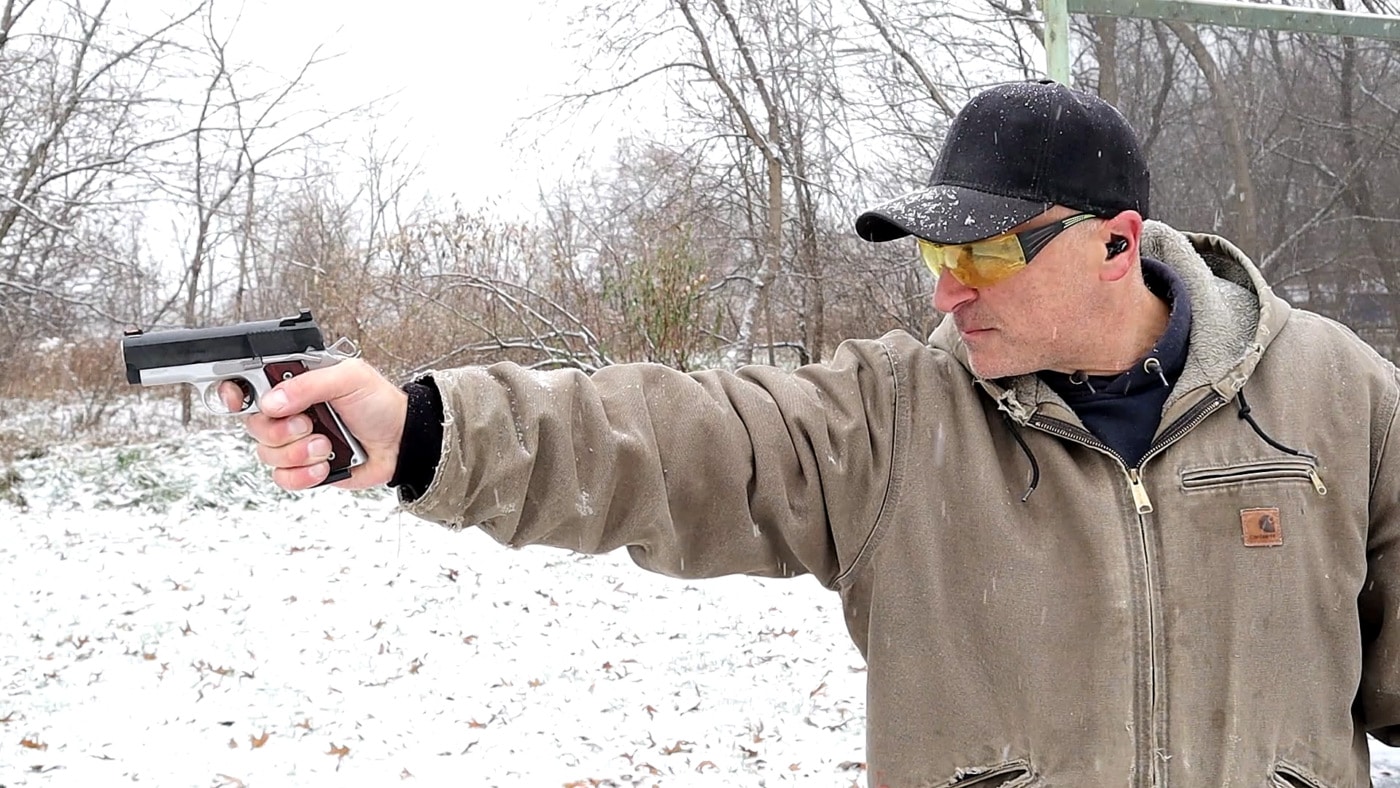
1268, 16
1057, 40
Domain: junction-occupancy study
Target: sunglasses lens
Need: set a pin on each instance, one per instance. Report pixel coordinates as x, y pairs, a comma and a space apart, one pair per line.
979, 264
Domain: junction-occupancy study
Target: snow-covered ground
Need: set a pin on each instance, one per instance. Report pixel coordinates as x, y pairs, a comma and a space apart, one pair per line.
169, 618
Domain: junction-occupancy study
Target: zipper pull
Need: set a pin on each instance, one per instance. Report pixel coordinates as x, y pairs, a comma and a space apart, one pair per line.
1317, 481
1144, 503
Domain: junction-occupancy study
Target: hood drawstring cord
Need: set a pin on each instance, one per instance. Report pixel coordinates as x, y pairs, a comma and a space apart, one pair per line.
1245, 414
1081, 378
1030, 455
1153, 366
1307, 455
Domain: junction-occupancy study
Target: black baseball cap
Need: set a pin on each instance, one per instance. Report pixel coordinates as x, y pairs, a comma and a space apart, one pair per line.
1012, 152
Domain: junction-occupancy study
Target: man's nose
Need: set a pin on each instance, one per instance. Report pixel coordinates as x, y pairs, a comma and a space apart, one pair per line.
949, 293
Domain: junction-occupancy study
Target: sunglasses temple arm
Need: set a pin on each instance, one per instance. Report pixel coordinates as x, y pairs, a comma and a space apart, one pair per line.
1035, 240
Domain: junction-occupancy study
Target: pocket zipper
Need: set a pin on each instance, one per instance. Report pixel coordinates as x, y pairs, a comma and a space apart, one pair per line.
1292, 777
1005, 774
1271, 470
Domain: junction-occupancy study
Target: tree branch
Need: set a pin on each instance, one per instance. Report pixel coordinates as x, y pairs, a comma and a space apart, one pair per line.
904, 54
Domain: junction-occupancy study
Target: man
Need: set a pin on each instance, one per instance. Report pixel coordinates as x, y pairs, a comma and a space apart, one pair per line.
1081, 535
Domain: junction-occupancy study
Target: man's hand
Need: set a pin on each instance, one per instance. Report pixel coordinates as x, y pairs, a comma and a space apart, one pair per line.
371, 407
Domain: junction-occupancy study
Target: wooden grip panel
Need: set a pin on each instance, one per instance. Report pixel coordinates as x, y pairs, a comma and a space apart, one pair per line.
322, 422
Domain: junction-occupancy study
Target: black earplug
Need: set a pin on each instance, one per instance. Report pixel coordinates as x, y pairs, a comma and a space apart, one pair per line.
1117, 246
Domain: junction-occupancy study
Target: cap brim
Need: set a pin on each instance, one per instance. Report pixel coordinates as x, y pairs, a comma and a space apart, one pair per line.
946, 214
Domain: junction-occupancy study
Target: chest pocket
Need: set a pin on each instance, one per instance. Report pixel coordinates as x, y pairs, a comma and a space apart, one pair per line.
1289, 469
1286, 775
1014, 774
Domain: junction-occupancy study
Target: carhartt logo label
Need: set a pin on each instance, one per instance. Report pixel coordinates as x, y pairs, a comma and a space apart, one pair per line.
1262, 527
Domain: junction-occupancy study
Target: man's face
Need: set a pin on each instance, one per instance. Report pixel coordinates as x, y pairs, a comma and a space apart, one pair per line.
1046, 316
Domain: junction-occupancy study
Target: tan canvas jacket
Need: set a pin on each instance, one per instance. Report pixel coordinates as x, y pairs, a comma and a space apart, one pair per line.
1226, 614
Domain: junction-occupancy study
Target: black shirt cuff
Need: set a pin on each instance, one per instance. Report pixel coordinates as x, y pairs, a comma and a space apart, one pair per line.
420, 448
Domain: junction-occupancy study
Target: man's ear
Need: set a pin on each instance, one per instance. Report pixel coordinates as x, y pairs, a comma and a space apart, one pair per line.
1120, 235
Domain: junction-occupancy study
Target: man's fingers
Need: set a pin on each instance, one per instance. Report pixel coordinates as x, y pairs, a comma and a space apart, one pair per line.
300, 478
277, 432
296, 454
231, 394
309, 388
368, 404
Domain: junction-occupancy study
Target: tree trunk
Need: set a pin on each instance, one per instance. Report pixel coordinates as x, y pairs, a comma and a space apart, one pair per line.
1243, 203
775, 232
245, 244
1105, 51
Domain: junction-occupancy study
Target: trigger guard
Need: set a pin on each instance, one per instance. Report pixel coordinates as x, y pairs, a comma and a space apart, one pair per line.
215, 403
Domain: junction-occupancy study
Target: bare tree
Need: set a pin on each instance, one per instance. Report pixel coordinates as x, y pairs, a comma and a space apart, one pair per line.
75, 119
242, 125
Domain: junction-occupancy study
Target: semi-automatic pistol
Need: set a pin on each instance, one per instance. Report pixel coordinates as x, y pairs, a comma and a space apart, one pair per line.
254, 356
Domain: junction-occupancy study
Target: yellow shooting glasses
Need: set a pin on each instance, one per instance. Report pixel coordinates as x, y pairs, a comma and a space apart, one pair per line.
989, 261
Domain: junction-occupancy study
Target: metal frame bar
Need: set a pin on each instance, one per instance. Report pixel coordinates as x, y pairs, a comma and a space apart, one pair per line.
1208, 12
1057, 40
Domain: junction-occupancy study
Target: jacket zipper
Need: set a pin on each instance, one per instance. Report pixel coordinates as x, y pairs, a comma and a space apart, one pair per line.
1146, 756
1188, 421
1144, 746
1143, 503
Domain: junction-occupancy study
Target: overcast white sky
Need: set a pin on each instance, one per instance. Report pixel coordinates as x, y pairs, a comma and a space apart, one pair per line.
463, 73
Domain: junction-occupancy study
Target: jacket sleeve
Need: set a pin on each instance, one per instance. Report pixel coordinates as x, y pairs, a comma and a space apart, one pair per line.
760, 471
1378, 700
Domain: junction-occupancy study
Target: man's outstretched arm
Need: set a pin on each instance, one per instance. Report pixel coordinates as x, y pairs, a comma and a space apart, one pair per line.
759, 471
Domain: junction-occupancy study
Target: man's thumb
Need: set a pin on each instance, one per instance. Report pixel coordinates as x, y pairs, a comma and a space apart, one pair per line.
296, 394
